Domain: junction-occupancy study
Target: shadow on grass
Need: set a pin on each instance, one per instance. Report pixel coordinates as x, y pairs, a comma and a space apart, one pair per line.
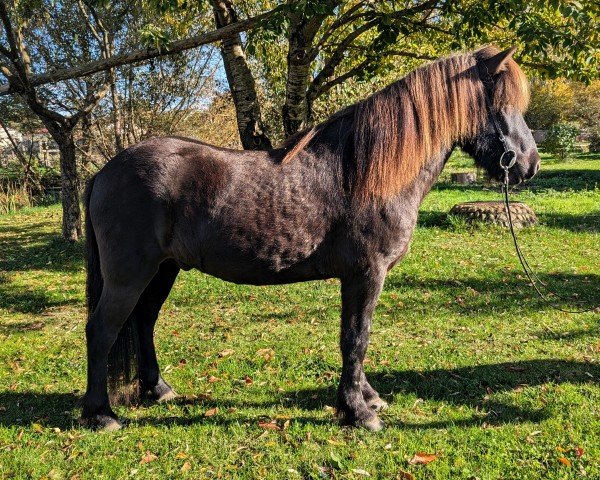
467, 386
559, 180
17, 299
26, 248
568, 179
30, 249
589, 222
488, 294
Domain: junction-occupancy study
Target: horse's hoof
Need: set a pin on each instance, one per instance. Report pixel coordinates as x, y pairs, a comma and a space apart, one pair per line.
163, 392
373, 424
377, 404
104, 423
167, 396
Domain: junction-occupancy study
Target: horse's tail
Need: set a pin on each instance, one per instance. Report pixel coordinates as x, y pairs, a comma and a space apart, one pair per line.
94, 282
124, 354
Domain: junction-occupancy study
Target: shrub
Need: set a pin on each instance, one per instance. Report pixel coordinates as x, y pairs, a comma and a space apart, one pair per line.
561, 139
595, 141
14, 197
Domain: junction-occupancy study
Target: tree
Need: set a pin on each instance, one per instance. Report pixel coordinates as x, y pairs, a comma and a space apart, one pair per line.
36, 36
33, 42
151, 100
310, 47
296, 55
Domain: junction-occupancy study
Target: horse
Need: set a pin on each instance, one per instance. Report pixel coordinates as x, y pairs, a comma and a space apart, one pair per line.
337, 201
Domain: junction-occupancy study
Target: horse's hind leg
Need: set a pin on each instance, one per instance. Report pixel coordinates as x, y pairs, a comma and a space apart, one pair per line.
359, 297
116, 303
370, 395
146, 313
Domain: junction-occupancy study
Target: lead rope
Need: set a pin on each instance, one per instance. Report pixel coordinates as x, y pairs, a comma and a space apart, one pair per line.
507, 161
534, 280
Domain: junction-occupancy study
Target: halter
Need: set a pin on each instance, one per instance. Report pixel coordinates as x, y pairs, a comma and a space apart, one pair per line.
507, 160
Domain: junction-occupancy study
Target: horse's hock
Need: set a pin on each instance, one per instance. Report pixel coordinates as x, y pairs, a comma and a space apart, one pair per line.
494, 212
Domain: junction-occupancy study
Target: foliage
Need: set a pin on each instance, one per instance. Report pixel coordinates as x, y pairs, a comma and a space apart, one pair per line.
483, 377
594, 146
561, 100
552, 101
587, 105
561, 139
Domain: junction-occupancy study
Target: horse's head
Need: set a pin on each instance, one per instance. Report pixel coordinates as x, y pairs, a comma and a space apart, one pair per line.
505, 130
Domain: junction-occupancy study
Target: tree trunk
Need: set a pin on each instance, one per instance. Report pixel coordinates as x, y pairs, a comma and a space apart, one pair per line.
71, 222
241, 82
299, 58
69, 179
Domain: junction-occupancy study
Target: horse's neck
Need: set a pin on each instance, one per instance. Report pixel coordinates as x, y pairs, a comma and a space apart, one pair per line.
427, 177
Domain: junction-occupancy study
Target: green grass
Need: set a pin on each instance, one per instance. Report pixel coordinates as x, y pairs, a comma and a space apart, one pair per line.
478, 370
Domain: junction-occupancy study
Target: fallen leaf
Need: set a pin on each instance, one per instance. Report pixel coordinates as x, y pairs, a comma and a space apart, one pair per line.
149, 457
37, 427
266, 353
213, 379
579, 452
227, 352
269, 425
336, 461
422, 458
333, 441
211, 412
248, 380
181, 456
186, 466
402, 475
564, 461
360, 471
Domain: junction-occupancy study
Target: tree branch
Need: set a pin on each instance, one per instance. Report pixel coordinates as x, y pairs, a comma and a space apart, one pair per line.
144, 53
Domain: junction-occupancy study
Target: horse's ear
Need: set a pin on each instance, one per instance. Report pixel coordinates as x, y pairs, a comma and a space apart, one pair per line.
495, 64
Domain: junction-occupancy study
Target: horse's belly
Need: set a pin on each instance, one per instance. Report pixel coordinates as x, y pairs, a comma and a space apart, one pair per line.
248, 270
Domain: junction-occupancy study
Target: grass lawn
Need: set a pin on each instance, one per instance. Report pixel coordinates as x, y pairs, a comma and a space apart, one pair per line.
477, 369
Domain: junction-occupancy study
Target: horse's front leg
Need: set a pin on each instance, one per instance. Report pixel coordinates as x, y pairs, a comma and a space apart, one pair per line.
359, 297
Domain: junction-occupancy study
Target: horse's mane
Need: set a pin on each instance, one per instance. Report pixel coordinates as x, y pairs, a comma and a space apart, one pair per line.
398, 129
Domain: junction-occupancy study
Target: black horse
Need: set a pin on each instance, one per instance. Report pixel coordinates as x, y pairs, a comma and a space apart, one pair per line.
339, 201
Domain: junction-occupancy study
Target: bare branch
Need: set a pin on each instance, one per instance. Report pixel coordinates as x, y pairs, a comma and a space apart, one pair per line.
315, 91
338, 55
90, 104
144, 53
